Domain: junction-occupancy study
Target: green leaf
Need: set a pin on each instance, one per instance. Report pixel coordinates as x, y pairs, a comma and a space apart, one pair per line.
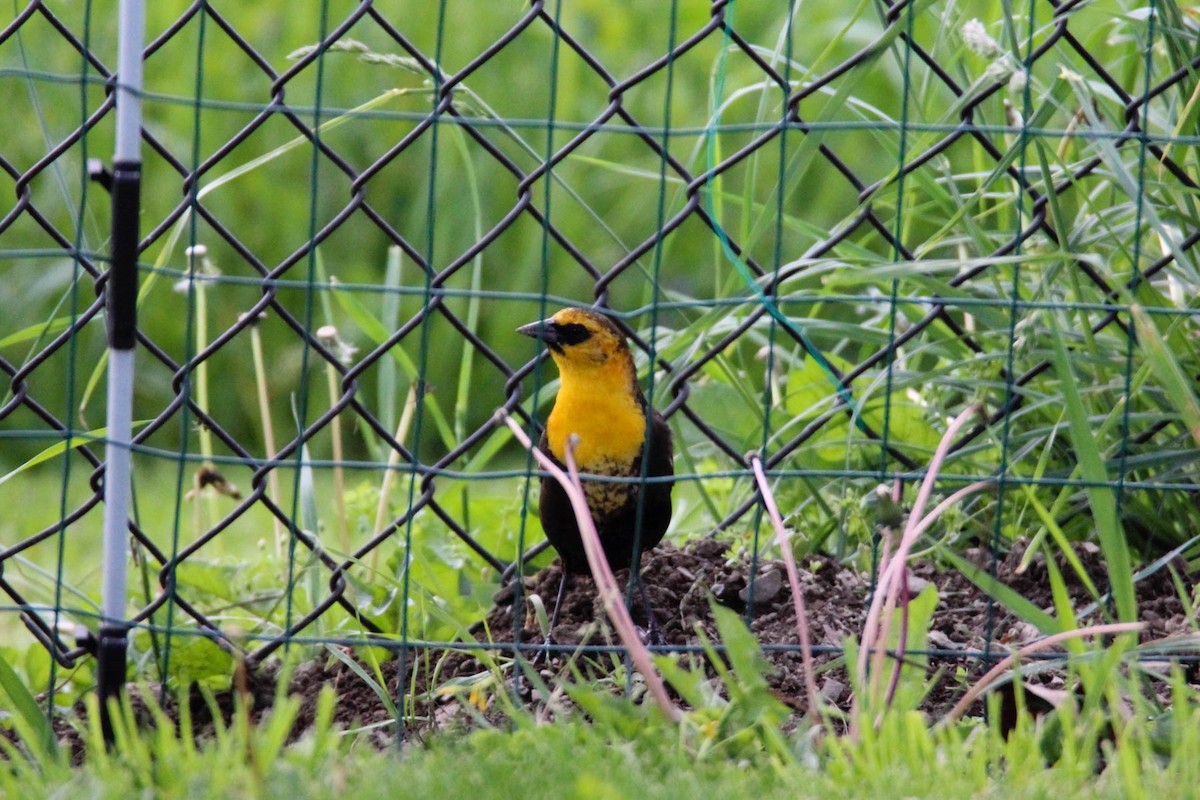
1062, 601
36, 723
689, 684
914, 674
1101, 497
1060, 538
36, 331
58, 448
920, 617
219, 580
198, 659
741, 648
808, 391
376, 686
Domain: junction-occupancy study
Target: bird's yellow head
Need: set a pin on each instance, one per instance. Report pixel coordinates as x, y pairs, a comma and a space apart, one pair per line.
581, 341
598, 398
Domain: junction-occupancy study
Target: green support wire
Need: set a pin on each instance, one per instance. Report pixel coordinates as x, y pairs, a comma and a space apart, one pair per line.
905, 209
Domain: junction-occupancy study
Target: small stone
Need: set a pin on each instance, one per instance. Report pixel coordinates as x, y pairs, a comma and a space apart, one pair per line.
832, 690
766, 587
941, 641
1022, 632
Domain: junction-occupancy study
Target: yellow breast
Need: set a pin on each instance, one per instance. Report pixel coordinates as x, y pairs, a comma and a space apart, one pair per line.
604, 413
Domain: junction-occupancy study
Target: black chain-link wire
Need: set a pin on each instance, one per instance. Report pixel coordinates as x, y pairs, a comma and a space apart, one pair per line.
354, 200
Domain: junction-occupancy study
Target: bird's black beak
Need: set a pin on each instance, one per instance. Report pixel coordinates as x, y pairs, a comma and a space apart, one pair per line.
544, 330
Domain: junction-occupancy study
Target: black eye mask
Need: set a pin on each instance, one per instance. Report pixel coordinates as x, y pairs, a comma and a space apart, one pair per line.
571, 333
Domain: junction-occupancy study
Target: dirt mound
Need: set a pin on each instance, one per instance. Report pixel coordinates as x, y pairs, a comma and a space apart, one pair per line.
679, 582
452, 687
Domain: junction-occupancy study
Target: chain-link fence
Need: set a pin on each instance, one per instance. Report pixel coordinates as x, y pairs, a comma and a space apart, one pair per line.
825, 230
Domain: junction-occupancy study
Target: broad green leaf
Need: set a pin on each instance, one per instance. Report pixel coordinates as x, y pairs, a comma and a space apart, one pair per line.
219, 580
198, 659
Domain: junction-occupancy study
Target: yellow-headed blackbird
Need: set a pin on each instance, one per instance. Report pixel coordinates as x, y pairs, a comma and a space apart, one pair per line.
600, 402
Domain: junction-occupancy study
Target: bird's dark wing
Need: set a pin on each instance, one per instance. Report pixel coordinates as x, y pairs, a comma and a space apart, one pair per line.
656, 507
558, 518
662, 453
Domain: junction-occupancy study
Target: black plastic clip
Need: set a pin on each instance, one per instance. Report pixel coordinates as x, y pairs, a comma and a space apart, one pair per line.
99, 173
111, 647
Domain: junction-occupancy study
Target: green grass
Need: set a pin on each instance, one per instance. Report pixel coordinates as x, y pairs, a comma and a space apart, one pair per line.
739, 741
635, 753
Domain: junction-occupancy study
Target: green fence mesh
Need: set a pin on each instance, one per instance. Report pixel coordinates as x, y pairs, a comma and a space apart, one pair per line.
827, 229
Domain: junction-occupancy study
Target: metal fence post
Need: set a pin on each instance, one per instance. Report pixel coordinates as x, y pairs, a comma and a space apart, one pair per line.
121, 300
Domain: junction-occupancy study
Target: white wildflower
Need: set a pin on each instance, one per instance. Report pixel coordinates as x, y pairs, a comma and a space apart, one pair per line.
200, 269
975, 37
342, 350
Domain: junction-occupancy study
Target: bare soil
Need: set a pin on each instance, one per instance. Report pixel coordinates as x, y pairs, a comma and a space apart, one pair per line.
680, 583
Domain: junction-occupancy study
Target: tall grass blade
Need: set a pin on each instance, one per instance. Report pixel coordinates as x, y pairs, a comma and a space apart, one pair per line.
58, 448
1100, 492
29, 713
1166, 368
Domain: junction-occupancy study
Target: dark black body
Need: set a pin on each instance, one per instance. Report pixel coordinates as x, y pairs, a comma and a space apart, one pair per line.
618, 530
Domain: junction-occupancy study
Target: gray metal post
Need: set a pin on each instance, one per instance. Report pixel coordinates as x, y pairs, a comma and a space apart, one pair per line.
121, 302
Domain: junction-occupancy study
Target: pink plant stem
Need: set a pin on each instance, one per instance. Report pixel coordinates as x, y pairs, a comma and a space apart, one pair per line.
983, 683
901, 642
893, 572
887, 588
606, 582
902, 639
930, 518
789, 560
941, 507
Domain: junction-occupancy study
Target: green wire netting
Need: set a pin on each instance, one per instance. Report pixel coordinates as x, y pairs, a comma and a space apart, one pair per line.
828, 229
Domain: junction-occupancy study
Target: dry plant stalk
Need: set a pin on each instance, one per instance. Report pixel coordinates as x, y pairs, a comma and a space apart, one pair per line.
789, 560
606, 582
264, 412
389, 474
339, 473
1001, 667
